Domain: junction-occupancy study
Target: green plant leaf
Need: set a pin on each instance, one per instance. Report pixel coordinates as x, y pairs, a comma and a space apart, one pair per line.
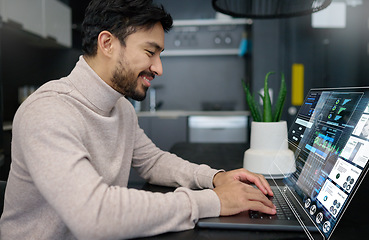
280, 101
267, 113
251, 103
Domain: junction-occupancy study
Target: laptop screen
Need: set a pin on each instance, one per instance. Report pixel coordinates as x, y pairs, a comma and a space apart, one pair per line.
330, 141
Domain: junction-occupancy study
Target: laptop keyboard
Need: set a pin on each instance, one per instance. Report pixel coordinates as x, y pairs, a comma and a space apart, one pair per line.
283, 210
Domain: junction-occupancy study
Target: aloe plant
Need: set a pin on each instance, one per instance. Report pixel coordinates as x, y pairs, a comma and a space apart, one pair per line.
269, 115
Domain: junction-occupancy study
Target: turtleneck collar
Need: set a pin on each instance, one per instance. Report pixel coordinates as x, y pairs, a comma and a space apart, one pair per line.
93, 88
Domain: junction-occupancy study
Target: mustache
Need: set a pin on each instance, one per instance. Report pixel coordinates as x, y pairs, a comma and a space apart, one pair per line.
147, 73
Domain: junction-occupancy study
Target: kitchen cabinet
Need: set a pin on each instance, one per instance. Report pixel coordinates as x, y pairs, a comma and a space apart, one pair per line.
164, 131
26, 13
165, 128
58, 22
218, 129
49, 19
206, 37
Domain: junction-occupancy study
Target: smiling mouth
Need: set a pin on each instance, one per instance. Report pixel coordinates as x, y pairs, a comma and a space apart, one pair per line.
146, 78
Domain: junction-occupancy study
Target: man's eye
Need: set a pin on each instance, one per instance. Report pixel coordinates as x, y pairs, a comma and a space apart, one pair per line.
150, 52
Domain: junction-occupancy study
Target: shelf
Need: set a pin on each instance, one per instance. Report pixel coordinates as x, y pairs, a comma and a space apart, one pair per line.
210, 22
200, 52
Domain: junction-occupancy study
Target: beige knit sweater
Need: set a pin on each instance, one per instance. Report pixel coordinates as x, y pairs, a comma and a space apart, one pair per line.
74, 141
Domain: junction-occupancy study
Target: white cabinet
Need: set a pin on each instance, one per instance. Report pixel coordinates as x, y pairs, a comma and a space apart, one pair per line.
218, 129
58, 22
45, 18
27, 13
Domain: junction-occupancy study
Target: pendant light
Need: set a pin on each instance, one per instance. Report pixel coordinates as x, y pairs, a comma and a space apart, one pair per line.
260, 9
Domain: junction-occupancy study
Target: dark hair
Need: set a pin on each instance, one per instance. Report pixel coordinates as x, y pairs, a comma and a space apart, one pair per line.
121, 18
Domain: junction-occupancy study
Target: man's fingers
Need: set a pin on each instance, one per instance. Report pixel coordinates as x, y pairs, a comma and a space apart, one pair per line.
260, 207
256, 195
254, 199
264, 186
257, 179
236, 195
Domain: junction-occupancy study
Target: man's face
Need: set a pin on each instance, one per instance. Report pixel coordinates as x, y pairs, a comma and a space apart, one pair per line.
138, 62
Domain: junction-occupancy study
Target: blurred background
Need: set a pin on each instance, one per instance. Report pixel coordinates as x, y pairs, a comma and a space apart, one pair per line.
206, 56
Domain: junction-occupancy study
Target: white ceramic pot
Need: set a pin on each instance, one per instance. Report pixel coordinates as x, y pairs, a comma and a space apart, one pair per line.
269, 154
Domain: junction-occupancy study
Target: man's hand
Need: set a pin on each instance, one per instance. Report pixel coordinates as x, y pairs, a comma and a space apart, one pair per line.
236, 195
244, 176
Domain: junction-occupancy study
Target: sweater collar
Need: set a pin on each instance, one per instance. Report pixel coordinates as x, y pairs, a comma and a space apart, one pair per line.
93, 88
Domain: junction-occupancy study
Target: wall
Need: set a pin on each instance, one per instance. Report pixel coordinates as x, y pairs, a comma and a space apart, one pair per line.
189, 9
187, 81
190, 81
332, 57
24, 63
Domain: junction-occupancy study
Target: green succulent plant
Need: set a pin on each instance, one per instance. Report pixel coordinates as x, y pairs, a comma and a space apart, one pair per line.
268, 114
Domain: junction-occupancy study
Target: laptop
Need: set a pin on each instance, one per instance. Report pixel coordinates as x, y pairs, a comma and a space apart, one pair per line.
330, 141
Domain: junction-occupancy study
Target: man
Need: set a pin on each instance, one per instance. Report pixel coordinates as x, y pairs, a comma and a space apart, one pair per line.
75, 139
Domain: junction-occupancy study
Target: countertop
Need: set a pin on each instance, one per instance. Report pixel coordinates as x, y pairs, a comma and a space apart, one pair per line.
353, 224
7, 126
183, 113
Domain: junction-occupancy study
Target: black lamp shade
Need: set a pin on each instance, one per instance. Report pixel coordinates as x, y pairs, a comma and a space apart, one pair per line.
269, 8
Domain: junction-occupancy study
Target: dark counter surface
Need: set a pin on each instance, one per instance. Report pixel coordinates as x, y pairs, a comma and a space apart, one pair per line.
354, 224
225, 156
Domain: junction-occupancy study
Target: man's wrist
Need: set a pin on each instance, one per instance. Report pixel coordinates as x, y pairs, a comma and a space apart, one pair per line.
216, 178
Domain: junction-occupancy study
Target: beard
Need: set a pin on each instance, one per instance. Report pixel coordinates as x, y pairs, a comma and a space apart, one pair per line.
126, 82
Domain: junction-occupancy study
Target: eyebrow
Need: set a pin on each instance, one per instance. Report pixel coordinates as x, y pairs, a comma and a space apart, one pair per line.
156, 46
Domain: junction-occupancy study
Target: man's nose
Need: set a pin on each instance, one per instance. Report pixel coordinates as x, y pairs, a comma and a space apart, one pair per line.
157, 67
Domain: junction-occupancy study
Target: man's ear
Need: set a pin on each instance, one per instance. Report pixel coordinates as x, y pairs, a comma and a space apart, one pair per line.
105, 43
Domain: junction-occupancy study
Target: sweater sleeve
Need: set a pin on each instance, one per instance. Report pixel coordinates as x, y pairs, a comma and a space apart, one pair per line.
60, 169
163, 168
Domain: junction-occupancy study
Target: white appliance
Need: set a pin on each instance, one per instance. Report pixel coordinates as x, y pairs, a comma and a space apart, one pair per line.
217, 129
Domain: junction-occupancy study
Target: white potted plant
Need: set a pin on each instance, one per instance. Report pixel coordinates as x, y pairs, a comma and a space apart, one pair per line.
268, 154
